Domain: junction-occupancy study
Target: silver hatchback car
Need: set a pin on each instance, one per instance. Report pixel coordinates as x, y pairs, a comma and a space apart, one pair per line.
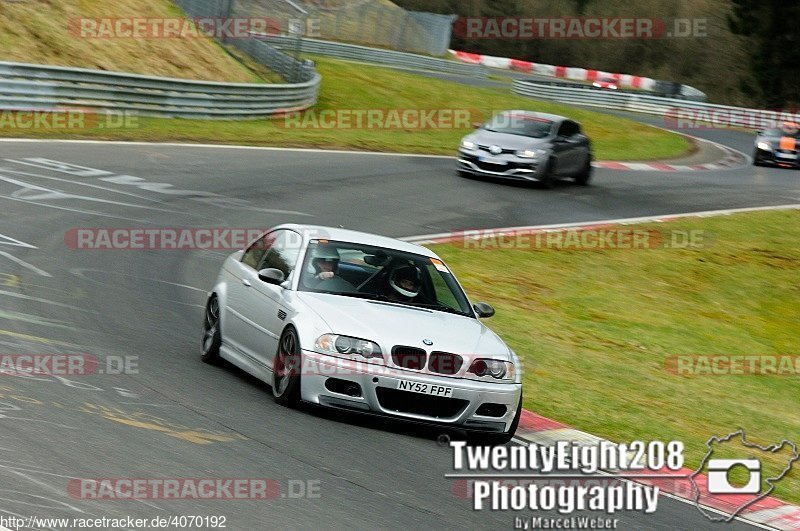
350, 320
527, 146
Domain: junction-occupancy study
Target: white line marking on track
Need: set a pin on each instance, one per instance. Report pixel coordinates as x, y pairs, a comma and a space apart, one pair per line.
78, 183
8, 240
25, 264
44, 301
81, 272
76, 210
48, 193
224, 146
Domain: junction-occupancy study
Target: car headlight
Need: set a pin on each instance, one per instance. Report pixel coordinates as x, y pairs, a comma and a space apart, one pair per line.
496, 369
466, 144
529, 153
337, 345
764, 146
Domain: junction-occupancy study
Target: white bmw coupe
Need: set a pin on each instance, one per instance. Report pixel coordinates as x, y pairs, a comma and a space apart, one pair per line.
355, 321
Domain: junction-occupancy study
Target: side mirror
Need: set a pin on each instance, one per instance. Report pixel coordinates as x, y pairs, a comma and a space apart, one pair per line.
483, 309
271, 276
477, 125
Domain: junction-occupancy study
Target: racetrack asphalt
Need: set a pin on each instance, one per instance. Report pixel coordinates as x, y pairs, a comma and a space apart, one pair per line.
180, 418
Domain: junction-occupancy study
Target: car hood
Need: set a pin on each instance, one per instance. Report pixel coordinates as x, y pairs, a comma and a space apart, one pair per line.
391, 324
506, 140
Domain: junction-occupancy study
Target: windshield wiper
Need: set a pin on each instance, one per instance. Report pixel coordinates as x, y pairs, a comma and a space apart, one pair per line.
368, 296
436, 306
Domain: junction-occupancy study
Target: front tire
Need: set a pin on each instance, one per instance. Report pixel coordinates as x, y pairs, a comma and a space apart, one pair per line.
212, 337
547, 179
585, 175
286, 370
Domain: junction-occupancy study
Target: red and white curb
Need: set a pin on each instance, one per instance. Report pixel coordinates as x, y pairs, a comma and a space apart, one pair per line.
559, 72
731, 159
768, 512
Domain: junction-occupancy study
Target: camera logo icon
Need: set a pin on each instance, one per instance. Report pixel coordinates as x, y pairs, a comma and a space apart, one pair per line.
719, 483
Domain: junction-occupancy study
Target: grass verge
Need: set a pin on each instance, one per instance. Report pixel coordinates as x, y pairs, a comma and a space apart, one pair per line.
355, 86
596, 328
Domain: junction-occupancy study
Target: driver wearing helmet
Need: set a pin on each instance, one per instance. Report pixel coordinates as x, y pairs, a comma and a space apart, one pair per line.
789, 128
325, 261
406, 283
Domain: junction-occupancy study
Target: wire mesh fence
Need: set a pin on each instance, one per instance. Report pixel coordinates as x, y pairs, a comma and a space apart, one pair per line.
370, 22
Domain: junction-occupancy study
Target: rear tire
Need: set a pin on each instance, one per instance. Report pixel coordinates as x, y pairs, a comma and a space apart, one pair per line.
585, 175
286, 370
212, 337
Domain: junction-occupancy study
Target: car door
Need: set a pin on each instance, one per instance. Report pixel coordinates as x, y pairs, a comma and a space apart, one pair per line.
571, 147
583, 150
258, 305
270, 301
563, 149
239, 278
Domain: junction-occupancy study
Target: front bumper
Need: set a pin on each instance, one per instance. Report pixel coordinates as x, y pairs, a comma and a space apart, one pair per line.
513, 167
322, 377
779, 157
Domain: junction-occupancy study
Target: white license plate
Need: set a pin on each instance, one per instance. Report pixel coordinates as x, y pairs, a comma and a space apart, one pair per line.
425, 389
787, 155
492, 160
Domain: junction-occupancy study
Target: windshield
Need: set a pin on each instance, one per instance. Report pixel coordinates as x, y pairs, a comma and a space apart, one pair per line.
779, 132
378, 273
520, 124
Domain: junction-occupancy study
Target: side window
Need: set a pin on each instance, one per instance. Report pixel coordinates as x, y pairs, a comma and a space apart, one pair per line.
255, 253
283, 252
576, 128
567, 129
443, 294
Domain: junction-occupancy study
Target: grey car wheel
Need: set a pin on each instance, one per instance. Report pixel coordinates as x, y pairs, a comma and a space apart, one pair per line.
286, 380
547, 179
585, 174
212, 338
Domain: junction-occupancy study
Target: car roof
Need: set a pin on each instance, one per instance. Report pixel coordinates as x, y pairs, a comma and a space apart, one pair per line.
534, 114
313, 232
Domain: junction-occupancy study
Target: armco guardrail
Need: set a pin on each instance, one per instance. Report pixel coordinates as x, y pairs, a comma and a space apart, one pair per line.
379, 56
637, 102
38, 87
